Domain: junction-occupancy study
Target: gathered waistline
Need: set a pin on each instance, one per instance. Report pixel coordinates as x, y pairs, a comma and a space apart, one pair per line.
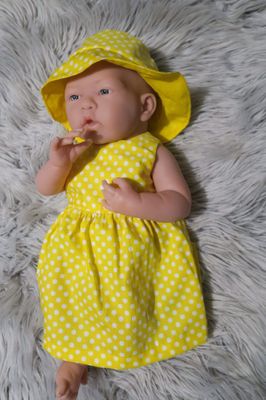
112, 214
88, 211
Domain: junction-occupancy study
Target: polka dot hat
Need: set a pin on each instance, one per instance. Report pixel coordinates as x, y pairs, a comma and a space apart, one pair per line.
173, 111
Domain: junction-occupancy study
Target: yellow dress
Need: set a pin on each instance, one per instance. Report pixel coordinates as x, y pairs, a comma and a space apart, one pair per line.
117, 291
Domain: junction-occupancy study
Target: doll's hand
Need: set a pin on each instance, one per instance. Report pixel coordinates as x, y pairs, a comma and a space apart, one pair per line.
64, 152
119, 196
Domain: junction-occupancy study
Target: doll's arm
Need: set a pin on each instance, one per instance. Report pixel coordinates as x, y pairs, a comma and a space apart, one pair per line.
170, 202
51, 178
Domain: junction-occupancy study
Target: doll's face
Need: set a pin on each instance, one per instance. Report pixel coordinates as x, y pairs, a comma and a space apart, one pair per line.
112, 102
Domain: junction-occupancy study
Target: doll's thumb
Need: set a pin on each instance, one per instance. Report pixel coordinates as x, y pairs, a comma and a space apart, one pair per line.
55, 143
84, 145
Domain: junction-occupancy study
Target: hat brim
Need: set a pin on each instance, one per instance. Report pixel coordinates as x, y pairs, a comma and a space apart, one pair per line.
173, 110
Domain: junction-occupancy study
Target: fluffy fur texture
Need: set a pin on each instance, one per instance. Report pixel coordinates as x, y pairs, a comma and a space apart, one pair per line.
220, 47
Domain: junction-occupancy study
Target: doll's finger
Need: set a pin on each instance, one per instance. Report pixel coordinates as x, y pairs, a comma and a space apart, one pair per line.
108, 197
107, 188
78, 140
85, 143
81, 147
75, 132
66, 141
80, 135
80, 132
122, 183
106, 204
57, 142
54, 143
104, 184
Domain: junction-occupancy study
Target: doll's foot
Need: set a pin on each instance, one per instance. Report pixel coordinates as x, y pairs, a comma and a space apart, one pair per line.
69, 376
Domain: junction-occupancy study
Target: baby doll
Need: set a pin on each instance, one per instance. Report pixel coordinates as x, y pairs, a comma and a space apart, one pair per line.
117, 277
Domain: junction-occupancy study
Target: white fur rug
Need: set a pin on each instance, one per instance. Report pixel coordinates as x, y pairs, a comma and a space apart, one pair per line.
220, 47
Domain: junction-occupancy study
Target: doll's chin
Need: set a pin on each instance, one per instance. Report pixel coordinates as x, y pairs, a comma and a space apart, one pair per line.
93, 135
97, 138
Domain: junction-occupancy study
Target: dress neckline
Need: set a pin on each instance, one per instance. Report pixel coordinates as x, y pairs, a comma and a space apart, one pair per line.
132, 138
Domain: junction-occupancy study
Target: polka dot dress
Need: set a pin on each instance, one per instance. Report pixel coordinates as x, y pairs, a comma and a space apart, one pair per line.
117, 291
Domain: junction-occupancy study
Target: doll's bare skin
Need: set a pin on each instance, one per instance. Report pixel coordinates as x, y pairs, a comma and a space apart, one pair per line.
69, 376
106, 117
105, 104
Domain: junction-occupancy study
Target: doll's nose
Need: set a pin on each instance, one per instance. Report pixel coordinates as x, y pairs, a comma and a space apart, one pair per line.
88, 103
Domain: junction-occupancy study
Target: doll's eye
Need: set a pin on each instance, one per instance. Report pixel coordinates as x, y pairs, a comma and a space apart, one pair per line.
73, 97
104, 91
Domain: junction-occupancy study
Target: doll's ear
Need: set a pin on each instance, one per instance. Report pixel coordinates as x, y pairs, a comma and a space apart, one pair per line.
148, 106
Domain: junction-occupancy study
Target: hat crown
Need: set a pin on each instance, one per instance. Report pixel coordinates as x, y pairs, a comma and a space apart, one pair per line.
122, 45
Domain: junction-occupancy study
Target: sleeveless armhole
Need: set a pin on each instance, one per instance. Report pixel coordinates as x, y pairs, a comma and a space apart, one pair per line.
154, 144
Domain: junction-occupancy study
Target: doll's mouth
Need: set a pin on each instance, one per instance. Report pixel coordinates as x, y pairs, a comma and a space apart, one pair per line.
88, 120
90, 124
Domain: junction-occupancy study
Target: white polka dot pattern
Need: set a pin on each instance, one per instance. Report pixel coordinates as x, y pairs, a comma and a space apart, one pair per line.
117, 291
121, 46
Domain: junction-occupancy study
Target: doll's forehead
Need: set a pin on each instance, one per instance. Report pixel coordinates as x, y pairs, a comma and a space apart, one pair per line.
106, 70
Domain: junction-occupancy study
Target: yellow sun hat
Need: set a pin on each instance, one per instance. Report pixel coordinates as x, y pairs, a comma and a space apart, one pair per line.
173, 111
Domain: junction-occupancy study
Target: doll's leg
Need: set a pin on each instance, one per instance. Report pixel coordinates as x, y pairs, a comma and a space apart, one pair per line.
69, 376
